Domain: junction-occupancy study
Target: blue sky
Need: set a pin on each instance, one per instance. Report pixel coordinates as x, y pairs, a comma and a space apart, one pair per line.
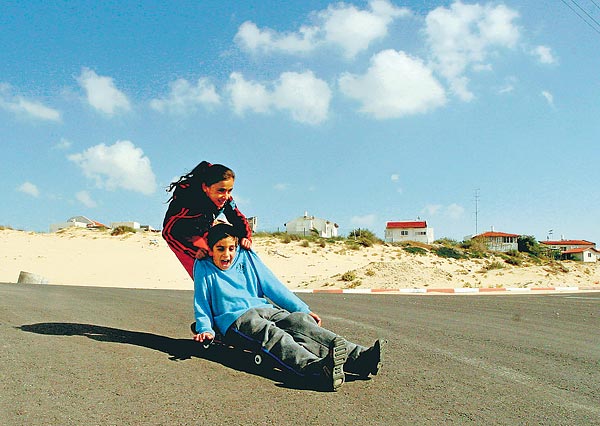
358, 112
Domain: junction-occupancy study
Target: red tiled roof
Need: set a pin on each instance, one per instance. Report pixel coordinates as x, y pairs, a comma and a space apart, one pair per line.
407, 224
568, 243
496, 234
579, 250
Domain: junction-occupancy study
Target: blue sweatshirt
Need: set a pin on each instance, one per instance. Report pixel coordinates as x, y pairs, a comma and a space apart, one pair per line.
221, 297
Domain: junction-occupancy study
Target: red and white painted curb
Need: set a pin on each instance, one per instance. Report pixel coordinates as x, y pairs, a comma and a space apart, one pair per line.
466, 290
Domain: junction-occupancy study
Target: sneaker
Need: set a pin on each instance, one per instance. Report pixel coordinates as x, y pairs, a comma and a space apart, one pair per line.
370, 361
333, 366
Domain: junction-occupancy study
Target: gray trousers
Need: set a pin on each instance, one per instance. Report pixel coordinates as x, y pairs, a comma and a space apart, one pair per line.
294, 340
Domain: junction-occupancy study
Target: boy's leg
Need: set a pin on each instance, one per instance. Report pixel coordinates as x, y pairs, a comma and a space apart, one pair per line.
260, 326
361, 360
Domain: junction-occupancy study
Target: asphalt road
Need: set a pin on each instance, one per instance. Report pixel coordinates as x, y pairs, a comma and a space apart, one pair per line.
98, 356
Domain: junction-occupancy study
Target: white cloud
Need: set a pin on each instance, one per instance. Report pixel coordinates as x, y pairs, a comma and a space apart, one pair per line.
544, 55
395, 85
121, 165
354, 30
281, 186
431, 209
102, 93
395, 178
455, 211
548, 96
29, 189
462, 37
84, 198
20, 105
252, 38
366, 220
247, 95
184, 97
303, 95
341, 25
63, 144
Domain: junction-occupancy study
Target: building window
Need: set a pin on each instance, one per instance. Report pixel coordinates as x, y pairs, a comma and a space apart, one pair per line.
403, 232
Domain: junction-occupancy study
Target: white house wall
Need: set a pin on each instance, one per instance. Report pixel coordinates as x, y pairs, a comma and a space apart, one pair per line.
412, 234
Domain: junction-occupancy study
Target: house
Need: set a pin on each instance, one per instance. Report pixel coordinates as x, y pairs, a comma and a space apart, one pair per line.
409, 230
309, 225
134, 225
581, 250
78, 222
499, 241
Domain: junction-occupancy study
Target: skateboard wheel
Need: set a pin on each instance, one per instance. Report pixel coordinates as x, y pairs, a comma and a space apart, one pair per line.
257, 359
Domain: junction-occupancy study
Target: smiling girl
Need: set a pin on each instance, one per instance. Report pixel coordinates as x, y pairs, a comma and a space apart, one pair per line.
199, 197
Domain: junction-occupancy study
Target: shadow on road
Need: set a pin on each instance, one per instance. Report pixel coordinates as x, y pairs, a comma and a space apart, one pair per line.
177, 349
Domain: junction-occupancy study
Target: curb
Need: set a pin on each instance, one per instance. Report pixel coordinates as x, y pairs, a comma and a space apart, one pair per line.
505, 290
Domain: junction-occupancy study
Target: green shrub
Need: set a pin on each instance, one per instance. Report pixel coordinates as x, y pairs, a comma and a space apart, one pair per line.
449, 252
415, 250
120, 230
349, 276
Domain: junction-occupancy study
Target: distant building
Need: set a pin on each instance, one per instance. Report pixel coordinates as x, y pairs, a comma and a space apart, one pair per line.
77, 222
309, 225
500, 241
134, 225
581, 250
408, 230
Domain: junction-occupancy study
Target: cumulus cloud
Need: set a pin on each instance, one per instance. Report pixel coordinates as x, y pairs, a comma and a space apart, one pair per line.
247, 96
102, 94
84, 198
395, 85
341, 25
544, 55
20, 105
304, 96
462, 37
364, 221
184, 97
121, 165
29, 189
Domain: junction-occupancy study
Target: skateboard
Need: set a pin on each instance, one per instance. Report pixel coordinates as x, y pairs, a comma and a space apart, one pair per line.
255, 352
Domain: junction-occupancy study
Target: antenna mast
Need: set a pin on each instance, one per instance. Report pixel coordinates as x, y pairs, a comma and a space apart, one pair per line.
476, 211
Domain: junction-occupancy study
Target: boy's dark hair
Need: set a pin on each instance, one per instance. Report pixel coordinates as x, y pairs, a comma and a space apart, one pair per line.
218, 232
204, 173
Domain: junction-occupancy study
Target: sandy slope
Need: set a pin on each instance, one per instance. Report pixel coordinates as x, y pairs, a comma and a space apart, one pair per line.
143, 260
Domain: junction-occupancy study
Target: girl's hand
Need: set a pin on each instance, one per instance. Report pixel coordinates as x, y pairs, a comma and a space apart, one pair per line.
246, 243
203, 336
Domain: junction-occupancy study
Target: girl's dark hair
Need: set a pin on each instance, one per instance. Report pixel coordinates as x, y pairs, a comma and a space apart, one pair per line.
204, 173
218, 232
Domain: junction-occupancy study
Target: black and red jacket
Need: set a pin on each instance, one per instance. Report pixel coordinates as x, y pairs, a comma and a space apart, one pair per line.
189, 216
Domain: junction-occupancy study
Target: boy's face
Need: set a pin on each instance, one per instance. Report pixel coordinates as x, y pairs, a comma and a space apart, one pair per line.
223, 252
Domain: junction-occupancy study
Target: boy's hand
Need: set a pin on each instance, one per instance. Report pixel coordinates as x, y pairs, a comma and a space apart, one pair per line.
316, 318
203, 336
246, 243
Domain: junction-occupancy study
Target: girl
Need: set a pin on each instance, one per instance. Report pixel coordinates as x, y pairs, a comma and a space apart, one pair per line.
198, 198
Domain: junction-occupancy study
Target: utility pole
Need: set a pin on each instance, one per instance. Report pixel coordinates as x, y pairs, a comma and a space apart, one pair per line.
476, 211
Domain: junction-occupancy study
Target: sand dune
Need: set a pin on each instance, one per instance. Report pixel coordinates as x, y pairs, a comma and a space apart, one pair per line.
143, 260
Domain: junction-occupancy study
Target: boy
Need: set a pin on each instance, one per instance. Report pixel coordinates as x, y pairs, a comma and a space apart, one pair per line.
231, 288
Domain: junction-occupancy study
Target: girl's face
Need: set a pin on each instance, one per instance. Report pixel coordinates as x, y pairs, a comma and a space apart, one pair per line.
223, 252
220, 192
